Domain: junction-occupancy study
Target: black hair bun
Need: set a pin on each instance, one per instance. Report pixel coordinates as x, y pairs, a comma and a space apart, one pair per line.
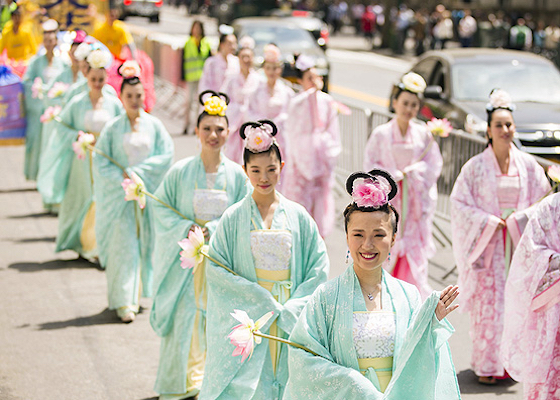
202, 96
373, 175
262, 123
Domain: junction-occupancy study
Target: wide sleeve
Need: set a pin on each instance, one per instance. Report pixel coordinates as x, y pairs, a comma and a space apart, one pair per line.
320, 377
108, 172
315, 263
424, 173
376, 152
207, 79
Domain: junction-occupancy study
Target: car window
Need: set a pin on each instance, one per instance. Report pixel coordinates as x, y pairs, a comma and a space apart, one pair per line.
425, 68
523, 81
438, 76
288, 39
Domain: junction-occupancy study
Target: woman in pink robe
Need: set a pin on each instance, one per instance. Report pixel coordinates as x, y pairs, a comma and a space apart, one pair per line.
313, 140
531, 337
489, 193
272, 97
408, 151
239, 88
217, 68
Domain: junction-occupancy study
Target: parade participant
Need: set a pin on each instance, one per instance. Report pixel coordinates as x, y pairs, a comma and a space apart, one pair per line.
272, 97
492, 190
114, 34
399, 146
373, 336
17, 40
274, 246
6, 13
239, 88
71, 73
66, 179
531, 337
218, 67
139, 142
201, 188
313, 139
41, 71
197, 50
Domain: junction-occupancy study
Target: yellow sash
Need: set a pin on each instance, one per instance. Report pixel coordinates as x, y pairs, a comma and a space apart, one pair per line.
383, 368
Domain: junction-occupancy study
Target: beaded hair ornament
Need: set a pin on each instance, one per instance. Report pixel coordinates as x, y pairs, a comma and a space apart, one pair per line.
499, 100
413, 83
130, 69
258, 136
371, 190
215, 104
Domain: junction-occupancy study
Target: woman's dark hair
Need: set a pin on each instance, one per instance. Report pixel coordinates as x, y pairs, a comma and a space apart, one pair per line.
198, 22
402, 89
223, 38
386, 208
299, 72
201, 99
130, 81
247, 154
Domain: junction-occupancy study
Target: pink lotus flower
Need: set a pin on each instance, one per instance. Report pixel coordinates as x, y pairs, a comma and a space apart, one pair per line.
439, 127
50, 113
243, 335
81, 145
37, 88
554, 173
258, 139
499, 98
129, 69
134, 189
57, 90
191, 255
370, 193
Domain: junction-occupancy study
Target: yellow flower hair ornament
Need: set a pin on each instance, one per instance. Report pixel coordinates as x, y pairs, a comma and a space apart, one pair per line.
215, 104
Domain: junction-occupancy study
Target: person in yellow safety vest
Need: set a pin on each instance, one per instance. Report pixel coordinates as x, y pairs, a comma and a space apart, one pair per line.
18, 41
197, 50
114, 34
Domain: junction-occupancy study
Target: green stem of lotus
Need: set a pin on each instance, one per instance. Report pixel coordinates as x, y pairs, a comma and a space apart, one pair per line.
108, 157
163, 203
288, 342
428, 147
60, 121
205, 254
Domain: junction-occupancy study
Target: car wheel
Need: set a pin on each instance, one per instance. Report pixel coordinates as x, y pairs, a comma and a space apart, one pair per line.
154, 19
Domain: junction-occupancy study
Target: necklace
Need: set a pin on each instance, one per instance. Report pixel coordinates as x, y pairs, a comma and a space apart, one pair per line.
370, 296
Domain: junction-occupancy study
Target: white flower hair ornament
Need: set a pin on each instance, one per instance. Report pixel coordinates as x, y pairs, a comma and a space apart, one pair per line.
130, 69
247, 42
258, 136
272, 54
99, 58
82, 51
412, 82
304, 62
371, 190
499, 100
214, 103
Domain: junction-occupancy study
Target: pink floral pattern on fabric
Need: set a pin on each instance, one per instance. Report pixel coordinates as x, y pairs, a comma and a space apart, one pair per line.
370, 193
550, 388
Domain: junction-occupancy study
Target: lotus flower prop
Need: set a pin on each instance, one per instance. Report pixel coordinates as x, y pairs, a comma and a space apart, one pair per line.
439, 127
554, 173
37, 90
83, 144
50, 114
191, 255
58, 89
134, 189
245, 335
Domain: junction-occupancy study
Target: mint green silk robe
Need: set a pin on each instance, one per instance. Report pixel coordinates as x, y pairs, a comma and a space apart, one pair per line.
124, 232
226, 377
173, 310
422, 365
64, 178
34, 108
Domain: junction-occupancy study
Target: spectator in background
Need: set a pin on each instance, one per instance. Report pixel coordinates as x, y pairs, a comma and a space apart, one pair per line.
368, 24
520, 36
197, 50
443, 30
402, 23
538, 37
336, 12
114, 34
8, 8
221, 65
420, 30
467, 29
358, 11
18, 42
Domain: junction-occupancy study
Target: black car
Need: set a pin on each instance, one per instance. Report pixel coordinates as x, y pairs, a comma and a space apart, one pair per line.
460, 80
290, 39
140, 8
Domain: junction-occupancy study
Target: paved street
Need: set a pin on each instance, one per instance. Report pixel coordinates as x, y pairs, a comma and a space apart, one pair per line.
58, 340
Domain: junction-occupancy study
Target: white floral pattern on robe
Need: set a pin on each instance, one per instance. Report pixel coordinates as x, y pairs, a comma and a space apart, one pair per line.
531, 337
414, 240
312, 134
479, 250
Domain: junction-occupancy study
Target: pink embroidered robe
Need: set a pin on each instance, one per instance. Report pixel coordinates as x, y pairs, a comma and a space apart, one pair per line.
215, 72
388, 149
531, 337
480, 251
312, 134
239, 89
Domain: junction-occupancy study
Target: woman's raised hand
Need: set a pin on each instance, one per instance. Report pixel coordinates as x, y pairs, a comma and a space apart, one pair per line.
444, 307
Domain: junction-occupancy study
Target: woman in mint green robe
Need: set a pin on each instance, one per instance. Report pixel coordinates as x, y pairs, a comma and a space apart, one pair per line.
67, 180
373, 336
251, 245
201, 188
39, 67
123, 230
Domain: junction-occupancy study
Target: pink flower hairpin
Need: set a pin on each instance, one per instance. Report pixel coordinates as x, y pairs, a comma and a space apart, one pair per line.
370, 193
258, 139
